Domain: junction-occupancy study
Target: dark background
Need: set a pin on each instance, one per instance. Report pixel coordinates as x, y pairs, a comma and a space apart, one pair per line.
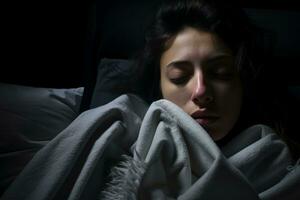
53, 44
44, 44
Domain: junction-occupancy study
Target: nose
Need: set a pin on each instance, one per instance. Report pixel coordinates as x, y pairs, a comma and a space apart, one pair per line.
201, 96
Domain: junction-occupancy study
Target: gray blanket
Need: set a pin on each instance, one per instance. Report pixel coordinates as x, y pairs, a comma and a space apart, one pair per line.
125, 150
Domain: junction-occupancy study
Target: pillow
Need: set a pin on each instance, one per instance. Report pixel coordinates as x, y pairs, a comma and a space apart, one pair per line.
113, 79
29, 118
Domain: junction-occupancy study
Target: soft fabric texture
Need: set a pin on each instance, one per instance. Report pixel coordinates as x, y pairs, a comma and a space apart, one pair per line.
29, 118
158, 152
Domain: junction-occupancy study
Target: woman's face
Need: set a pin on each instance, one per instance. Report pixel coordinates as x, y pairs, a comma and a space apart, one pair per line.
197, 73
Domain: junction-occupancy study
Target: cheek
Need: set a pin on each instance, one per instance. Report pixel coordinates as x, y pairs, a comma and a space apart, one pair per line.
228, 103
178, 95
229, 97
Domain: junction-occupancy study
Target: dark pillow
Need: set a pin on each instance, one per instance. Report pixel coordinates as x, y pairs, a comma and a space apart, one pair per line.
29, 118
114, 78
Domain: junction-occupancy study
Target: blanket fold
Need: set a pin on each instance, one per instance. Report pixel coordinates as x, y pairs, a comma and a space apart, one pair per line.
127, 150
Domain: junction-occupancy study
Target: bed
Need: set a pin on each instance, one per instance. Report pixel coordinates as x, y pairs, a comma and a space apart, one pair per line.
63, 143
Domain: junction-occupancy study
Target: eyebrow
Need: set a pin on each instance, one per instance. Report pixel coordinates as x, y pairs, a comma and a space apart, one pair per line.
219, 57
210, 59
178, 63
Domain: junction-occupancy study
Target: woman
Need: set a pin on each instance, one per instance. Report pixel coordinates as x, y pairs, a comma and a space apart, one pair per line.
199, 53
229, 92
198, 74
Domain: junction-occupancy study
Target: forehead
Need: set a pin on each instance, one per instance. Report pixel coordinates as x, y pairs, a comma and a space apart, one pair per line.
194, 45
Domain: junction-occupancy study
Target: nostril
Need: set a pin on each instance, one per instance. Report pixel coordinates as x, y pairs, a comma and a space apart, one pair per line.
208, 98
203, 100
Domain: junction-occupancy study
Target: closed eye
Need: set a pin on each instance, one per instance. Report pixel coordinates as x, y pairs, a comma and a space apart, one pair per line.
180, 80
222, 75
221, 67
179, 72
221, 70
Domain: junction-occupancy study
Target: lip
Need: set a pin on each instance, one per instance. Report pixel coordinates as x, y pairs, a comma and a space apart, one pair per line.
205, 121
204, 118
